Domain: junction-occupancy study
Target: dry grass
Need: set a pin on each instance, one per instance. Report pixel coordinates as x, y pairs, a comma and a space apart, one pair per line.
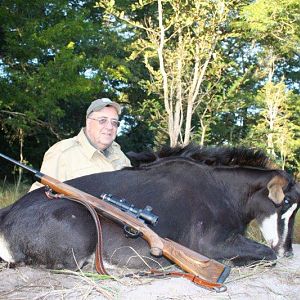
250, 280
297, 229
45, 284
264, 267
30, 283
253, 232
93, 281
239, 273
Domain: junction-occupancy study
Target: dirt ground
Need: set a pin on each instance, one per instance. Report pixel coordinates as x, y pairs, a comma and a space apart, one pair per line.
260, 282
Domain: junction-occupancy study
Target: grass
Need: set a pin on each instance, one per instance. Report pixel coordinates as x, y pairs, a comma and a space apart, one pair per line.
297, 229
10, 193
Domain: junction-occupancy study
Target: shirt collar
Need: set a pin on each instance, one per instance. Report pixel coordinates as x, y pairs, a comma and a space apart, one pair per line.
89, 149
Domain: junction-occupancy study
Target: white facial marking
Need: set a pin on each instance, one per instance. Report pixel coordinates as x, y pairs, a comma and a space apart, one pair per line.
268, 228
289, 212
286, 217
5, 253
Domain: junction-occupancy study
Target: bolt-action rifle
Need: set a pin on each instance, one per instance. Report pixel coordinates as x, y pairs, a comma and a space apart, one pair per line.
205, 271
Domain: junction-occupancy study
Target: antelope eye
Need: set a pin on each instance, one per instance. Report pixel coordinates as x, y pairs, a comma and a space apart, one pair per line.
286, 205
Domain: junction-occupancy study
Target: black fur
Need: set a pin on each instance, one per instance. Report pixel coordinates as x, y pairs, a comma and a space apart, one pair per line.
213, 156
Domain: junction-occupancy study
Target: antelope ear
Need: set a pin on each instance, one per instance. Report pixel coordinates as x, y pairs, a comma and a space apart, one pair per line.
275, 186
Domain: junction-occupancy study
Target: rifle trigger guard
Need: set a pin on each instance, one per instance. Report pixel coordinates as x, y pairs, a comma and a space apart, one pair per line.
131, 232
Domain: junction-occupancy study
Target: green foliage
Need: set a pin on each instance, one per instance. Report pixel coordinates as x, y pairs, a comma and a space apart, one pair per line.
178, 46
57, 56
144, 127
275, 130
275, 21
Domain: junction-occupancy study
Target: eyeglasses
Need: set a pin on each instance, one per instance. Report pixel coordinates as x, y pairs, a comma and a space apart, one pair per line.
103, 121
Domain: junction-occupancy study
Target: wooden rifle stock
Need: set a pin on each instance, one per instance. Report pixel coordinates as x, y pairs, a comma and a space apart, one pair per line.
187, 259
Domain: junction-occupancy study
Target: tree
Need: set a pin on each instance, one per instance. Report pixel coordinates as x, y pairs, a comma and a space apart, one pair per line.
274, 28
274, 132
56, 56
178, 48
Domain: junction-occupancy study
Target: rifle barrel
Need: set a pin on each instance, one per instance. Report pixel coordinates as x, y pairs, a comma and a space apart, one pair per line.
36, 173
18, 163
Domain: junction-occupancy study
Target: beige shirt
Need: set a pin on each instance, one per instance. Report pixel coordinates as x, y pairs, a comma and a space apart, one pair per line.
76, 157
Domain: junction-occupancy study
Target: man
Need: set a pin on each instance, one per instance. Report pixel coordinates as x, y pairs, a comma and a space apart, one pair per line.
93, 150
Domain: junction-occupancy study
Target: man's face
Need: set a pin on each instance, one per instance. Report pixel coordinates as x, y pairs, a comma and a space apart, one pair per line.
102, 126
